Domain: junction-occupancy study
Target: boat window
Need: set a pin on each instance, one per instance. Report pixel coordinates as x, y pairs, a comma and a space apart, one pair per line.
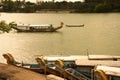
40, 26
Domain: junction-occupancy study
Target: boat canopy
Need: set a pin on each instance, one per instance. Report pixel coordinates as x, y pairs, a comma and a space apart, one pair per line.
114, 71
42, 25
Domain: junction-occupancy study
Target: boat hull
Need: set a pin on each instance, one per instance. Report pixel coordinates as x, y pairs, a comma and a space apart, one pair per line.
82, 25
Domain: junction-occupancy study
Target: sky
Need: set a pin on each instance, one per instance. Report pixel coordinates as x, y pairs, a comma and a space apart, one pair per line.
54, 0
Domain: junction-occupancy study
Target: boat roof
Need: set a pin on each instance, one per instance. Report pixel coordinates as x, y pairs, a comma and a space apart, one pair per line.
84, 62
115, 71
101, 57
34, 25
77, 57
40, 25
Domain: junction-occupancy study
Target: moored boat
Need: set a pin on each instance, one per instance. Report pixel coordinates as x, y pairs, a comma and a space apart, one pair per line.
40, 67
87, 67
11, 61
106, 73
81, 25
80, 69
59, 64
37, 28
44, 67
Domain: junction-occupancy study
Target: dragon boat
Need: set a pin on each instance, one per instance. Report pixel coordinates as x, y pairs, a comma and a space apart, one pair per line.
37, 28
11, 61
72, 70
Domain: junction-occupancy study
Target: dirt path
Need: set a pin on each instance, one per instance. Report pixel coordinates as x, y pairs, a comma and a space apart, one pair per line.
14, 73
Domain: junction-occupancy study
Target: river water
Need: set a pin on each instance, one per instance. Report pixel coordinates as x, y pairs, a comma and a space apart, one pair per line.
100, 35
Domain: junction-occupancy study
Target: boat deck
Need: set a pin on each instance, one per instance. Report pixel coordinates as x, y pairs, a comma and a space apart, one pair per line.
91, 60
76, 57
84, 62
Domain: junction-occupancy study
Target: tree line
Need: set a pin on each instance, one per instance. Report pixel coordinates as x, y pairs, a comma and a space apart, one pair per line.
89, 6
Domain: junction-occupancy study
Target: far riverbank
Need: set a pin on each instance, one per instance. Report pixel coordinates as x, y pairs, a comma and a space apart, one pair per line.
101, 6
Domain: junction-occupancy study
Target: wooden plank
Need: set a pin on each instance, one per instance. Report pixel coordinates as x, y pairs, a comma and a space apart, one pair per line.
54, 77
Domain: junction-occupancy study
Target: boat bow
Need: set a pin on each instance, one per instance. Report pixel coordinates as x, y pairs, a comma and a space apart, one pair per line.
61, 25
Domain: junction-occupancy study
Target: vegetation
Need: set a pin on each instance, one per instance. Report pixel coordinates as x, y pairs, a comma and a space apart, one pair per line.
89, 6
4, 27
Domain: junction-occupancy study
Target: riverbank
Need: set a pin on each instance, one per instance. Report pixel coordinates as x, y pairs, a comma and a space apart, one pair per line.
14, 73
9, 72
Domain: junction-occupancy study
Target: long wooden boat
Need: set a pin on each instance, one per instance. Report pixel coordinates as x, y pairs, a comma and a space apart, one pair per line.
11, 61
34, 67
65, 71
73, 25
41, 67
37, 28
80, 70
87, 66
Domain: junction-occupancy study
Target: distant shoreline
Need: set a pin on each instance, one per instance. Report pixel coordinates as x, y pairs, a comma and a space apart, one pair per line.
53, 11
57, 11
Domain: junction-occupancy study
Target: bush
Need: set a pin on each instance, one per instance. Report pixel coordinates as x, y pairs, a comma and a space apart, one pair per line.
4, 27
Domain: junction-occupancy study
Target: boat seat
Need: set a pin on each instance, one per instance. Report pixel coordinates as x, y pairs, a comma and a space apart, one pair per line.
18, 64
26, 66
61, 66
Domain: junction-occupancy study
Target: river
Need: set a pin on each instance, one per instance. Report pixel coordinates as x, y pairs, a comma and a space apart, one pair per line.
100, 35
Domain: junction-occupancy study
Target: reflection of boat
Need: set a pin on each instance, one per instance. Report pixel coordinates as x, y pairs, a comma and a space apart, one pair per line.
37, 28
82, 25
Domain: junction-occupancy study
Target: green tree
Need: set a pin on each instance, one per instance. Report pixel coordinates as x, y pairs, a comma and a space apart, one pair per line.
29, 7
4, 27
99, 8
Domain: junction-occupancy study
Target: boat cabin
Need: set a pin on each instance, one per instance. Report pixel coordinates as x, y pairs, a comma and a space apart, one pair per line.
45, 26
32, 27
